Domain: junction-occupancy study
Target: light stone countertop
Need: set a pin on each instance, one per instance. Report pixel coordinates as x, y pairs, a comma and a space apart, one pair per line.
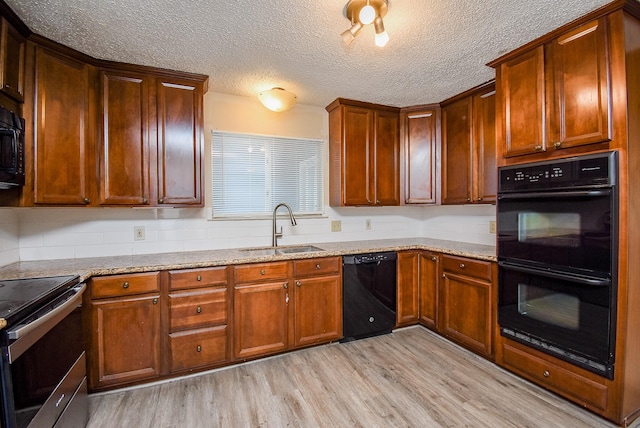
98, 266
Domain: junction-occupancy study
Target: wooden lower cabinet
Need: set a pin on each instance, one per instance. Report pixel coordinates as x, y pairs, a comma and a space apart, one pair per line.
408, 285
125, 330
429, 272
198, 348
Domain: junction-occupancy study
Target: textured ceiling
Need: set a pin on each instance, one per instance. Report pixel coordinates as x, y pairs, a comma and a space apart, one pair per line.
438, 48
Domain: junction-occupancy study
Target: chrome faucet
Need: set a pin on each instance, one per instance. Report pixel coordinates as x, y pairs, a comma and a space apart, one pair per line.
276, 234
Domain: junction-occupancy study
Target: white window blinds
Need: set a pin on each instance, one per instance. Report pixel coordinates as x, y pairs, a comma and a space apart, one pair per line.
253, 173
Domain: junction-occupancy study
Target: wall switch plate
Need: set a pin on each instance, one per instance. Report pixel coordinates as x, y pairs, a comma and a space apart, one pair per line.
492, 227
336, 225
367, 224
138, 233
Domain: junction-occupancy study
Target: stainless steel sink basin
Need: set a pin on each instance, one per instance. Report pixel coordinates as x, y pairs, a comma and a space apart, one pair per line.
272, 251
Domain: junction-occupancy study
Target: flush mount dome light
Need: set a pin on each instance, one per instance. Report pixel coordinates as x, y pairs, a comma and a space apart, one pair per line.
277, 99
365, 12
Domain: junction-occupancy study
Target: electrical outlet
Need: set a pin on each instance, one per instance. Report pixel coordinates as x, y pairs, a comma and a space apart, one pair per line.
367, 224
336, 225
138, 233
492, 227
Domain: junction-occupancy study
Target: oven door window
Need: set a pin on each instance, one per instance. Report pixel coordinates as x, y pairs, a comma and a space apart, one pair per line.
562, 230
573, 317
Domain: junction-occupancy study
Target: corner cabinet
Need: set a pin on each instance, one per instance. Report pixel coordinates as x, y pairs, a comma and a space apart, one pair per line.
556, 95
364, 154
469, 147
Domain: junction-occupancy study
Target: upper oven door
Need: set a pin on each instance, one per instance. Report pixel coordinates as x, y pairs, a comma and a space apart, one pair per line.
568, 230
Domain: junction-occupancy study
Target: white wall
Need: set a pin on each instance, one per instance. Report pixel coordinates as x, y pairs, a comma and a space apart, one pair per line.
52, 233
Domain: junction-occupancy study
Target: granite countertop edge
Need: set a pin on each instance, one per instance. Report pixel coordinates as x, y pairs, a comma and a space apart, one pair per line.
86, 268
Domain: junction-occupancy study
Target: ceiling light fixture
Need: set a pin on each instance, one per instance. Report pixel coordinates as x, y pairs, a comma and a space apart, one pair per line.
277, 99
365, 12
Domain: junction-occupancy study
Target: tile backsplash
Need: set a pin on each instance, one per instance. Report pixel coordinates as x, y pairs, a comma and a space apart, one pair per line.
54, 233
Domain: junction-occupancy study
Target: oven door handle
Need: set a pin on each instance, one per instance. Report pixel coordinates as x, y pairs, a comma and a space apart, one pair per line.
570, 194
594, 282
26, 335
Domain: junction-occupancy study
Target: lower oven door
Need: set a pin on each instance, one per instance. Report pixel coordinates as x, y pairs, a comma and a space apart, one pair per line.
568, 316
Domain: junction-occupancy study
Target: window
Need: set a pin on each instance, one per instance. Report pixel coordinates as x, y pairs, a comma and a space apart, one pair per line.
253, 173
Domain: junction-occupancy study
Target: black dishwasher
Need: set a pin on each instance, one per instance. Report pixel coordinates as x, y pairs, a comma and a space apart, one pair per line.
368, 295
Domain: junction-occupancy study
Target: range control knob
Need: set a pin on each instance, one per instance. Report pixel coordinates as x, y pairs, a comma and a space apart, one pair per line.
371, 319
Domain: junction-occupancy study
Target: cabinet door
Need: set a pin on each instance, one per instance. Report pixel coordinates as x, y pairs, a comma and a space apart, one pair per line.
465, 306
420, 156
386, 158
579, 102
180, 129
407, 310
356, 166
317, 310
124, 152
12, 57
429, 271
456, 152
260, 314
522, 102
125, 340
64, 165
485, 177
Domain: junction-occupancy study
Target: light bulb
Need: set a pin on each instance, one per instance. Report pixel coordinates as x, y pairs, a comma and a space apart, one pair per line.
367, 14
382, 39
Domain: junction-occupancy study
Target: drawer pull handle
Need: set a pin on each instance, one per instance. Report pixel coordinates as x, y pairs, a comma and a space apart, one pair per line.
198, 278
60, 400
199, 310
199, 348
125, 284
298, 283
318, 266
461, 265
434, 258
285, 285
262, 272
546, 373
155, 301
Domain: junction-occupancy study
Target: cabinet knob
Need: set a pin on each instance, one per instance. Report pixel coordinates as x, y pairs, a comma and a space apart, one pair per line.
199, 309
262, 272
198, 348
8, 86
369, 201
480, 198
468, 199
87, 200
378, 202
125, 284
461, 265
546, 373
434, 259
155, 301
538, 148
199, 278
557, 145
285, 285
144, 200
161, 201
318, 266
444, 276
298, 283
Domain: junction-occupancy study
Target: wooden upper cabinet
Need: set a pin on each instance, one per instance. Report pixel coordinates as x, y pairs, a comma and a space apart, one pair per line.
521, 83
420, 129
180, 146
64, 151
578, 105
364, 153
12, 59
124, 149
456, 152
557, 95
485, 172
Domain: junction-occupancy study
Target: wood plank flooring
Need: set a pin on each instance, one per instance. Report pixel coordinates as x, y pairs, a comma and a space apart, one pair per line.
410, 378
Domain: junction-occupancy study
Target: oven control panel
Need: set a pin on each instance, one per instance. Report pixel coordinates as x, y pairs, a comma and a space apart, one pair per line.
569, 173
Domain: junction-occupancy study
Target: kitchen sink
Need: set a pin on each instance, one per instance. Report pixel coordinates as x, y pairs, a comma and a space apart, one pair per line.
272, 251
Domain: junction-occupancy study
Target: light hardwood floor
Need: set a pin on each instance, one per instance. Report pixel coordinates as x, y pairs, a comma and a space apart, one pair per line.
410, 378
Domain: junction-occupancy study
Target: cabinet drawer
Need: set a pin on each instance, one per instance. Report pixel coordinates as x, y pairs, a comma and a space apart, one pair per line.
314, 267
196, 278
566, 382
464, 266
198, 308
198, 348
124, 285
261, 272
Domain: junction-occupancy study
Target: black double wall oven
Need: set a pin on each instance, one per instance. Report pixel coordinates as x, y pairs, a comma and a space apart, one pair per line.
557, 256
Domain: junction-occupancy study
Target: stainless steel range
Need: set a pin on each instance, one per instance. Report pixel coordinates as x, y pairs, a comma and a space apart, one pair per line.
42, 364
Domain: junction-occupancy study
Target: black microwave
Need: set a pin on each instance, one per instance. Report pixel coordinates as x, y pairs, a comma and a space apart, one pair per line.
11, 149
